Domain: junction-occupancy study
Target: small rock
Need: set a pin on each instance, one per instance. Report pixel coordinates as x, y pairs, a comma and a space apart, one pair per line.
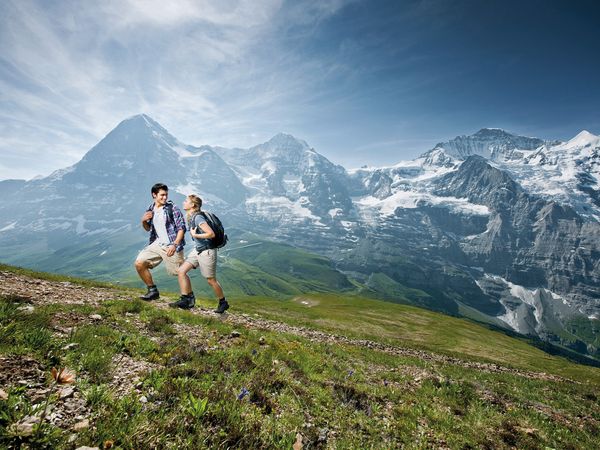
23, 429
323, 433
96, 317
27, 309
79, 426
71, 346
298, 444
262, 340
25, 426
85, 447
235, 334
143, 399
66, 392
3, 395
72, 438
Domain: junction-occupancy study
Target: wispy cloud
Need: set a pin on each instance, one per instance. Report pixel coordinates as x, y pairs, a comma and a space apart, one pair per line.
70, 71
348, 76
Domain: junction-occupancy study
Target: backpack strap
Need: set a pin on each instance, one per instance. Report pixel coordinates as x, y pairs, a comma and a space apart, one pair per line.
191, 223
169, 210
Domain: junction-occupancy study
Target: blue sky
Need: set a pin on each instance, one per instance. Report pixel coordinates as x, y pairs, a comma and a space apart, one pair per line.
364, 82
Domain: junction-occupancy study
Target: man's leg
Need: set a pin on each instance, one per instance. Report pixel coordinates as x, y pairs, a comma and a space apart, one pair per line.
146, 260
143, 270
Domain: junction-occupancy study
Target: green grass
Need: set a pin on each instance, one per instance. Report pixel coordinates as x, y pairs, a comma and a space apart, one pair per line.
334, 395
57, 277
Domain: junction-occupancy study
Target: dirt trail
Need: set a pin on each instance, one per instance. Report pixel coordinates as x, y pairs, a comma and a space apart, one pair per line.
36, 291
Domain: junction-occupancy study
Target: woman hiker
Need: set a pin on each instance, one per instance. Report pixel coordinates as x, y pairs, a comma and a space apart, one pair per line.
203, 256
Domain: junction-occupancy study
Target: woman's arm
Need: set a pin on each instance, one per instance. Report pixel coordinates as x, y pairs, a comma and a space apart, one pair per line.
208, 232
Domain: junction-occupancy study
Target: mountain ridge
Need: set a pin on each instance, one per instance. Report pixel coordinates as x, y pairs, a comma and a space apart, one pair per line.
471, 231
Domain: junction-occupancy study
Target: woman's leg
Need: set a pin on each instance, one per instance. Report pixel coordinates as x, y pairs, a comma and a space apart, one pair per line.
185, 285
216, 287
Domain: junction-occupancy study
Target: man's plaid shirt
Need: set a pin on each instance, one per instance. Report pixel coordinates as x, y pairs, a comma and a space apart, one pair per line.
173, 226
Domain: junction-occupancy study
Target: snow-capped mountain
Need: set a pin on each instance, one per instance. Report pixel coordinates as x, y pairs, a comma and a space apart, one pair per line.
567, 172
500, 224
491, 143
288, 179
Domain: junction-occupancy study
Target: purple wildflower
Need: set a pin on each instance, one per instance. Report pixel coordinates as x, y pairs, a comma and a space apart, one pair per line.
350, 372
243, 393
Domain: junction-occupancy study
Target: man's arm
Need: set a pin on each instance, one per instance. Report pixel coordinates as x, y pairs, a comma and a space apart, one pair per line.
145, 219
172, 248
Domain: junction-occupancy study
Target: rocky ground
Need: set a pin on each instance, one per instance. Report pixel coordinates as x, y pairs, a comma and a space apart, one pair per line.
70, 412
37, 291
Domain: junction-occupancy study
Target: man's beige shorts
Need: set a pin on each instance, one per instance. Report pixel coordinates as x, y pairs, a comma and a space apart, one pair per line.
207, 261
154, 254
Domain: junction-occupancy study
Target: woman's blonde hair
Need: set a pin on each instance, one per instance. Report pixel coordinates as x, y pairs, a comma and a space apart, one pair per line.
196, 205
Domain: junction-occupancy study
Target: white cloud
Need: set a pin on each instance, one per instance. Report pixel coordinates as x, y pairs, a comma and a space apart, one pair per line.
245, 13
209, 71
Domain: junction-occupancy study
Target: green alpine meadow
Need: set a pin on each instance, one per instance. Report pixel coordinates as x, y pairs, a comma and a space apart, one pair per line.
88, 364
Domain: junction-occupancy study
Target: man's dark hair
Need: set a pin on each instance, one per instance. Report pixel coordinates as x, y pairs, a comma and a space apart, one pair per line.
159, 187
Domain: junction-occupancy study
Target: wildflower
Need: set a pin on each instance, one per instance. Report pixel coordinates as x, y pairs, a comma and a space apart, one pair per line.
254, 352
108, 444
350, 372
385, 382
243, 393
63, 376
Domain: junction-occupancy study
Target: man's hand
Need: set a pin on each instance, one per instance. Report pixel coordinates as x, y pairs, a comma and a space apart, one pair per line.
171, 250
147, 216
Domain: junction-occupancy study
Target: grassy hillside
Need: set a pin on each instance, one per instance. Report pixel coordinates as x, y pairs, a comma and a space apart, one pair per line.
326, 370
247, 266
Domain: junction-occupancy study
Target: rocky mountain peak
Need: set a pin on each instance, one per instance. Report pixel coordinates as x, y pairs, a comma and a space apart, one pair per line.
281, 147
136, 138
142, 124
287, 140
582, 140
491, 143
493, 133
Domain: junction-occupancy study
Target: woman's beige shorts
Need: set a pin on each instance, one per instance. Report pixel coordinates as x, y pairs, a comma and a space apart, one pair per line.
154, 254
207, 261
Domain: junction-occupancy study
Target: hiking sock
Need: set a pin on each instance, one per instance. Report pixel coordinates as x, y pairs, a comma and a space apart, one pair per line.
186, 301
152, 293
191, 299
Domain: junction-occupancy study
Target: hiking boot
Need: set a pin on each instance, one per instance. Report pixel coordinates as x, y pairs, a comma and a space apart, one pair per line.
152, 294
223, 306
184, 302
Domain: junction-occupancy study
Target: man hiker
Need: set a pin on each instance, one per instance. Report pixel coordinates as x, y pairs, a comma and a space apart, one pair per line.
166, 225
204, 256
